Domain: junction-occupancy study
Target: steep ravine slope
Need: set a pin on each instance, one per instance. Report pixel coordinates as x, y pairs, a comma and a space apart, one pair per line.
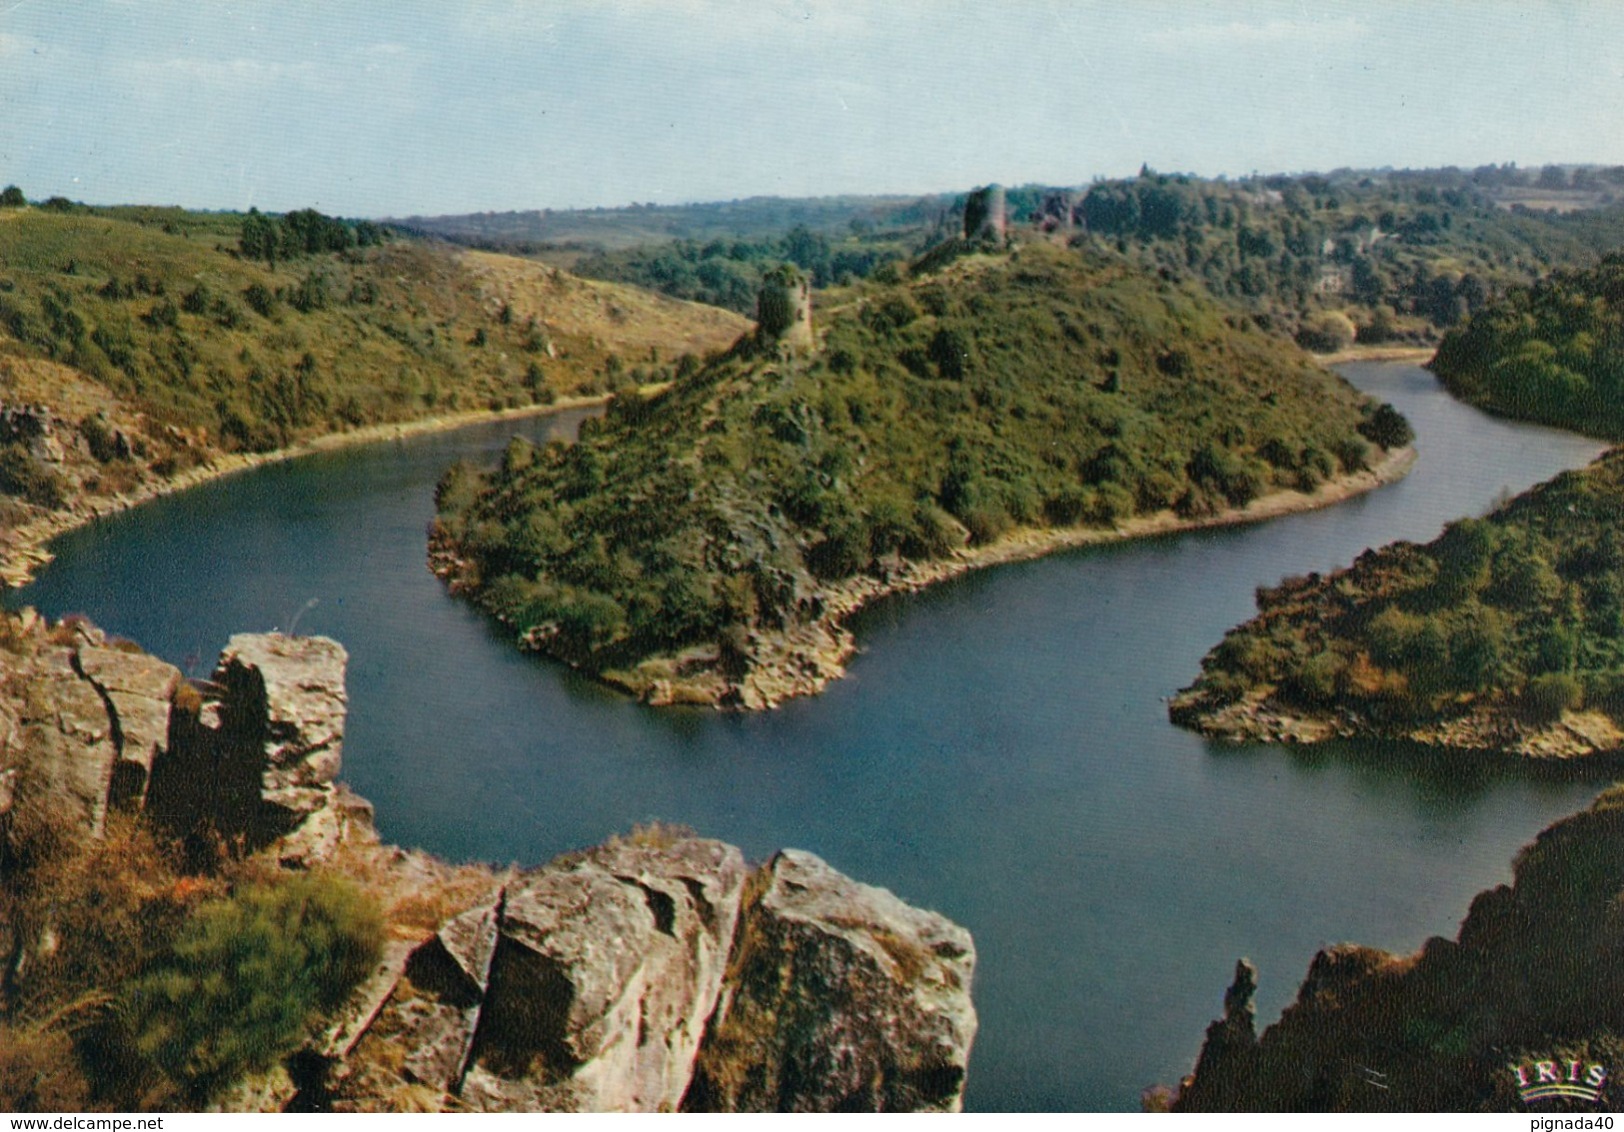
657, 971
1529, 993
141, 352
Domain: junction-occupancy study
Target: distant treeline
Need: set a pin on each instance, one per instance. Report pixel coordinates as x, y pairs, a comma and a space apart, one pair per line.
1374, 255
1399, 255
728, 273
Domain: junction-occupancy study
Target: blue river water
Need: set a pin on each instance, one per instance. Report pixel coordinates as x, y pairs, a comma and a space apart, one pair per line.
1000, 751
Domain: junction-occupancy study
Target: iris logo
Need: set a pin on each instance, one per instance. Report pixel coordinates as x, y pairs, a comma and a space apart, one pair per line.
1545, 1080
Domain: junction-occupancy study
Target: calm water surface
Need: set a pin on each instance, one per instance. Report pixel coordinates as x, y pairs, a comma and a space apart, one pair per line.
1000, 751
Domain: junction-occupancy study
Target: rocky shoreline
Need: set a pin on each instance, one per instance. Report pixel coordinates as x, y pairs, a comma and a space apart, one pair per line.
1486, 729
23, 548
807, 658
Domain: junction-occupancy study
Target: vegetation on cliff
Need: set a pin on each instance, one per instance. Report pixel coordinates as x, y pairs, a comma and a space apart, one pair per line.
1039, 389
133, 981
1534, 976
1496, 630
1551, 352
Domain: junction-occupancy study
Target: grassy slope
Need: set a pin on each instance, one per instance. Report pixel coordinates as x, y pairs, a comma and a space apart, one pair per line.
1040, 390
1490, 636
144, 322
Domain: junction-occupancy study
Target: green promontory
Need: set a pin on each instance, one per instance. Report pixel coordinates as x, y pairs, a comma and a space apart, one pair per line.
1504, 633
702, 543
1551, 352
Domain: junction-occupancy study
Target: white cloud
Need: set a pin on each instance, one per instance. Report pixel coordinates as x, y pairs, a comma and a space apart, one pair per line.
16, 46
229, 74
1238, 35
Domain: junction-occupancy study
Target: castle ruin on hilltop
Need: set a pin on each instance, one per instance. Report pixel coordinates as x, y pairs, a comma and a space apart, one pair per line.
986, 216
784, 309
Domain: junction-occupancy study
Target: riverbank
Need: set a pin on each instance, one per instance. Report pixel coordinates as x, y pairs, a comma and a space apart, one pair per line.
804, 660
1416, 355
1493, 729
23, 549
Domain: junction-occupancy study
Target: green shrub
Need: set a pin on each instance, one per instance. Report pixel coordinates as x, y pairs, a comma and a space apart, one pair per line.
1326, 333
247, 976
842, 552
987, 523
935, 534
1387, 427
1352, 453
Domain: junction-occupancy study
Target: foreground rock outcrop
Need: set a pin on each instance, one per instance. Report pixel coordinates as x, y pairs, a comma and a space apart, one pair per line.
658, 973
655, 972
839, 997
1531, 989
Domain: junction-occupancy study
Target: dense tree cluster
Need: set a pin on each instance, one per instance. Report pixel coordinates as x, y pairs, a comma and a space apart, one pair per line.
728, 273
1550, 352
305, 232
1408, 254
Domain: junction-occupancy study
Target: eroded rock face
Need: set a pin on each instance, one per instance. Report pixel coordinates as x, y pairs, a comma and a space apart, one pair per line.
139, 690
86, 718
658, 973
605, 973
646, 974
257, 763
1533, 975
841, 998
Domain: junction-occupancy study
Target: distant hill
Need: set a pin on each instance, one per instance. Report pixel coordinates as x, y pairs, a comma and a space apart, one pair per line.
705, 542
613, 229
1505, 633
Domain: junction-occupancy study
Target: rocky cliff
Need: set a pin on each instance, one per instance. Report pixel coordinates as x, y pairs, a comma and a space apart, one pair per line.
1529, 991
655, 972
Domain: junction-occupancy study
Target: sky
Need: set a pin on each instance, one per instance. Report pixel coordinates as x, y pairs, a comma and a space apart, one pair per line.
400, 107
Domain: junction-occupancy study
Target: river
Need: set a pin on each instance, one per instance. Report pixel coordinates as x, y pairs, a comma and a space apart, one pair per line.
1000, 751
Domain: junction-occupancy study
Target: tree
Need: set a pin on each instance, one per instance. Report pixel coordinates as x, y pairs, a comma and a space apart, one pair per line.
12, 197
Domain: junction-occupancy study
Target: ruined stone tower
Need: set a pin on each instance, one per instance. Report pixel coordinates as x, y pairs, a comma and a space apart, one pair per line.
986, 216
784, 309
